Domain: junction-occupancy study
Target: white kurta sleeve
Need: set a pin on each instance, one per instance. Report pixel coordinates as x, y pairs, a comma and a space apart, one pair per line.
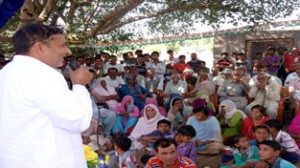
273, 91
253, 91
70, 110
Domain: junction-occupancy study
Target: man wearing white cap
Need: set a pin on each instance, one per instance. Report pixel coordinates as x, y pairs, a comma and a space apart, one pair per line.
189, 78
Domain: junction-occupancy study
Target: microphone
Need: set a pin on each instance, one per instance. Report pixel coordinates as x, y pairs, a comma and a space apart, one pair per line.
74, 65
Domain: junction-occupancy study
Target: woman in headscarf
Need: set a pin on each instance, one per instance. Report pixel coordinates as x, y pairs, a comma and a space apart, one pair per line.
107, 92
153, 101
189, 78
145, 125
294, 129
127, 116
230, 119
138, 92
179, 112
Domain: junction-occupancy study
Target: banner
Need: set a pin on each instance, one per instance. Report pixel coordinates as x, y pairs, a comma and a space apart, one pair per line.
8, 8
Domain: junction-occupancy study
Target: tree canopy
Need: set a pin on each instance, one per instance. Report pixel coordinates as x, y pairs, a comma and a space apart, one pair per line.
118, 19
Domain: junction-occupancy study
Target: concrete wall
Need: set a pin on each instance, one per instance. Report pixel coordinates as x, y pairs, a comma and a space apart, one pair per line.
237, 42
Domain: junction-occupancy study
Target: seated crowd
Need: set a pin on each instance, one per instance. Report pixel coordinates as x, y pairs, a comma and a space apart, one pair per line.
179, 110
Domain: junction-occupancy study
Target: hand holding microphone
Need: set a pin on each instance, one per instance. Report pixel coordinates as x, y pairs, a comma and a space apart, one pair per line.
79, 74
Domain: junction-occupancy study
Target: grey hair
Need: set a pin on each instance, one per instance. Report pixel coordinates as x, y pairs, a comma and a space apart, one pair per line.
264, 73
151, 69
175, 75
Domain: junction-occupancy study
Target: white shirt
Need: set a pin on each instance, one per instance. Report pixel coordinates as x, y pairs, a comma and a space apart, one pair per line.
119, 67
173, 61
40, 118
287, 142
292, 82
160, 68
254, 80
180, 87
114, 83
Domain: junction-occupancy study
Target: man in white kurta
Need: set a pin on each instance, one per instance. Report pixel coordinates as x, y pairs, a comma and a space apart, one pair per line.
40, 118
266, 92
292, 82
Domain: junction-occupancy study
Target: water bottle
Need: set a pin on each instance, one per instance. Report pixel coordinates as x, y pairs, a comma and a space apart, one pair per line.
102, 163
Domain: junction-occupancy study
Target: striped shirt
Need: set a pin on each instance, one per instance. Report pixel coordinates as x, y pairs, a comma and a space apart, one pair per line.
287, 142
181, 162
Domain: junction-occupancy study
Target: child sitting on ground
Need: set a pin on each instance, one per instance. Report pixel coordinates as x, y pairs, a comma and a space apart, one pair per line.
289, 149
186, 145
260, 133
269, 152
126, 156
244, 154
163, 131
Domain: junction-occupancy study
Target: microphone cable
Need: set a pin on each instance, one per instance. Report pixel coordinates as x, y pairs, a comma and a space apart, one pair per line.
98, 121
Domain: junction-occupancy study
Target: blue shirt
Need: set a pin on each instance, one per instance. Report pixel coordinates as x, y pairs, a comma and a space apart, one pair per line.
206, 130
281, 163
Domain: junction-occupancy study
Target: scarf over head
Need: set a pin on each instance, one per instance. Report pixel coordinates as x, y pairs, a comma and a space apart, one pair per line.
104, 91
153, 101
230, 110
129, 108
144, 125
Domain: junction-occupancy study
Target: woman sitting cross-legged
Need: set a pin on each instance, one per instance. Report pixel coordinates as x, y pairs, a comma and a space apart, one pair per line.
145, 125
230, 119
208, 132
179, 112
127, 116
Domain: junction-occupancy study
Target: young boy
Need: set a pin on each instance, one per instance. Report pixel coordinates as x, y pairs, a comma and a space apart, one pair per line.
289, 149
261, 133
126, 157
186, 146
163, 131
269, 155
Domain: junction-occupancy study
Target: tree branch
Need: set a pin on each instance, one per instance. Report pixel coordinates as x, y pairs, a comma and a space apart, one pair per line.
38, 5
27, 13
159, 13
119, 11
92, 15
82, 17
58, 13
47, 10
70, 18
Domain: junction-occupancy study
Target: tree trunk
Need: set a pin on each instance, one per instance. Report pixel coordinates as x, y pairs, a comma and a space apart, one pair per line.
47, 11
27, 13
